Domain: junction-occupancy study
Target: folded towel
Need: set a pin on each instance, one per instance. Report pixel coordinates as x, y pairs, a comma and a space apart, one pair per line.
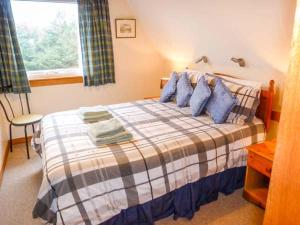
117, 138
97, 118
106, 128
92, 111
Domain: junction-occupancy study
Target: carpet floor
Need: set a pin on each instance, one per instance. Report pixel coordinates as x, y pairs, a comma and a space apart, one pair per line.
22, 179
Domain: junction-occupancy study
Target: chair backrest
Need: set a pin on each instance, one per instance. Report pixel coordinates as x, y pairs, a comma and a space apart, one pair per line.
6, 105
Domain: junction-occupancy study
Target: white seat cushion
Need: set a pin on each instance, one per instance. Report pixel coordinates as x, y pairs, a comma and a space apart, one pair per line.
27, 119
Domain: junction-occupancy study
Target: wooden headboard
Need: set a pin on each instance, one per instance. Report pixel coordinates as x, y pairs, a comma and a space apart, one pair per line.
264, 110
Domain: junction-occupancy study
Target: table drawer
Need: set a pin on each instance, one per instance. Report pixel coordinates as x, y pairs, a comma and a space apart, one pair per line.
260, 164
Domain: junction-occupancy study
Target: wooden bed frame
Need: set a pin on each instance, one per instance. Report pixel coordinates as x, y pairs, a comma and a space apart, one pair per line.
264, 110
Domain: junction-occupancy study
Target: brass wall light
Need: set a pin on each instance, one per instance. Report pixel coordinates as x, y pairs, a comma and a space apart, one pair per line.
239, 61
203, 58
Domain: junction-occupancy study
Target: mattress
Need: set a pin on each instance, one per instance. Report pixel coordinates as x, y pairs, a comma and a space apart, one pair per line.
88, 184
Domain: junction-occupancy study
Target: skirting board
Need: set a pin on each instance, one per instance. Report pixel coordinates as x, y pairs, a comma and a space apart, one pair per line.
20, 140
6, 151
5, 156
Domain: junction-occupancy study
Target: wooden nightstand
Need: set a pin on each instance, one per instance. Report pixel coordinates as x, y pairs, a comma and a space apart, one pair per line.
151, 97
259, 168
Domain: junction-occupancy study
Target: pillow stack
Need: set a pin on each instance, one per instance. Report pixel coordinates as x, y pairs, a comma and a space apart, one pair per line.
224, 100
247, 94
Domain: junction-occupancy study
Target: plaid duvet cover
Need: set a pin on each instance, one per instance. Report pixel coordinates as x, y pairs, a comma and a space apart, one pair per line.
88, 184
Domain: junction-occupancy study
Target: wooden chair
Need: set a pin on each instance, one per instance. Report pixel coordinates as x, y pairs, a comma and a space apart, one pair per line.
24, 120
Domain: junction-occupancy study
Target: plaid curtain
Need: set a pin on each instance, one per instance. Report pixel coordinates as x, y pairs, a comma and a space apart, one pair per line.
96, 42
13, 77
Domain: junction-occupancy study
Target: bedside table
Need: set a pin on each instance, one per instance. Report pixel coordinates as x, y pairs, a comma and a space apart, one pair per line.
259, 169
152, 97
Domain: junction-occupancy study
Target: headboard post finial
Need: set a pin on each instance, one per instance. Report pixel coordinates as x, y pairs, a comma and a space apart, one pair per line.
267, 105
272, 86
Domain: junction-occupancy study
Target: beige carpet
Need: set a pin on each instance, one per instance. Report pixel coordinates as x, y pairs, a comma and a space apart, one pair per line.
22, 179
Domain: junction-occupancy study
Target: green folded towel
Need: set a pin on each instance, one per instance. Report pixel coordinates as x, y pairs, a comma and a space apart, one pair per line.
117, 138
92, 111
108, 132
102, 117
106, 128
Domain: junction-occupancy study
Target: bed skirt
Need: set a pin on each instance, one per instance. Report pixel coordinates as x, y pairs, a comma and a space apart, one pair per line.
183, 202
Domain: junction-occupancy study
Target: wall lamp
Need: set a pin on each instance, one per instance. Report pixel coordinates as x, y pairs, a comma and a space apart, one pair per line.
203, 58
239, 61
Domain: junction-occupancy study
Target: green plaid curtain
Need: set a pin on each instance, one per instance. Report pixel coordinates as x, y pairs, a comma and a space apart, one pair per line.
13, 77
96, 42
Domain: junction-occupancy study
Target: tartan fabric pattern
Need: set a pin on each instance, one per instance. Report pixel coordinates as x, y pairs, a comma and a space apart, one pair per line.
13, 77
86, 184
96, 42
248, 100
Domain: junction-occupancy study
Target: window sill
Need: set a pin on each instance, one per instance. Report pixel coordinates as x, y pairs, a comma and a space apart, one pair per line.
52, 80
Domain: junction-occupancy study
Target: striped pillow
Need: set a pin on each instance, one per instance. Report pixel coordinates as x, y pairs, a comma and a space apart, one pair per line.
248, 101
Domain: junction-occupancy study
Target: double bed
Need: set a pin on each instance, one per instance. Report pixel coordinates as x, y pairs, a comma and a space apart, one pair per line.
174, 164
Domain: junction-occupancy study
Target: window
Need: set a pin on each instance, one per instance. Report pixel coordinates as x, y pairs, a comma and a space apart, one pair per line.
49, 38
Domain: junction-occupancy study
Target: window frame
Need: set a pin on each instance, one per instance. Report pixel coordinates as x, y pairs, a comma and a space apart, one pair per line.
50, 81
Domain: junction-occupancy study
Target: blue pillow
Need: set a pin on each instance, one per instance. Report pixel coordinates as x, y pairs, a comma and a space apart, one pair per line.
220, 103
169, 89
200, 97
184, 91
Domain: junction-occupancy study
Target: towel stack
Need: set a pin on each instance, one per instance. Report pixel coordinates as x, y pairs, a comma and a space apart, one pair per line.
94, 114
108, 132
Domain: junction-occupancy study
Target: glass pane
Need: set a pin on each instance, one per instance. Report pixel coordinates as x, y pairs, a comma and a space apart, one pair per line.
48, 36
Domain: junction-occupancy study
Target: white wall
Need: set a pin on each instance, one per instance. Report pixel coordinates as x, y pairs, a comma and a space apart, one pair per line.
259, 31
138, 70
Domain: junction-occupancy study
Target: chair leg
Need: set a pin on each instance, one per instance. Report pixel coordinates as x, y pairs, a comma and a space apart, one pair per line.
33, 129
27, 148
10, 138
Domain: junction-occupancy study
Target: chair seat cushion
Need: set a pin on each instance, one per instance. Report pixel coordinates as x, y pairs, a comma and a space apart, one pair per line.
27, 119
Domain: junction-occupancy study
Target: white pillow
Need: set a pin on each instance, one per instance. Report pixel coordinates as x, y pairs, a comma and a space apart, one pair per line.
195, 75
250, 83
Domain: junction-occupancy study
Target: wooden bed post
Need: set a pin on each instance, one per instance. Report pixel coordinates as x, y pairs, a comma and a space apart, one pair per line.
264, 110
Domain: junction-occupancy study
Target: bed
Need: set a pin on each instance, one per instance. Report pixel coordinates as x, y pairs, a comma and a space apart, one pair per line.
174, 164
